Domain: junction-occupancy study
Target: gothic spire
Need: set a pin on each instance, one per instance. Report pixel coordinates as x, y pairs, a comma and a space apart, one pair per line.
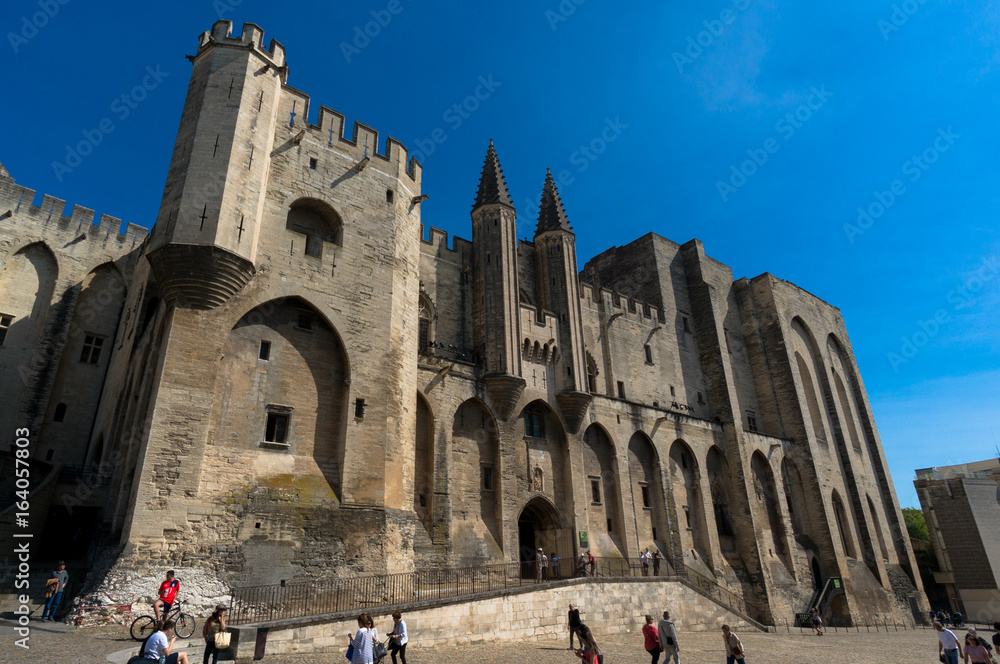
551, 216
492, 187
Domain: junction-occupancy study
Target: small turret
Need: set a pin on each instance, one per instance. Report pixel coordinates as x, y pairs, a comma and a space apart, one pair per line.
551, 215
492, 186
494, 280
559, 291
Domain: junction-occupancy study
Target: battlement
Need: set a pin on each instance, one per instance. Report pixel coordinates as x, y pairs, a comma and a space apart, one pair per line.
330, 131
252, 37
437, 242
17, 200
616, 303
532, 317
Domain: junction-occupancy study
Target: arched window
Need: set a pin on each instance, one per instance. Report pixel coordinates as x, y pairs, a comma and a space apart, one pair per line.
318, 222
424, 337
60, 413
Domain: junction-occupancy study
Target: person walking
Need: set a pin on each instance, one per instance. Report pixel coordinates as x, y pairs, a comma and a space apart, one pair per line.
734, 647
545, 565
159, 645
948, 645
589, 653
574, 624
651, 640
657, 557
817, 621
975, 651
538, 565
363, 641
54, 588
216, 624
398, 638
554, 559
592, 562
668, 640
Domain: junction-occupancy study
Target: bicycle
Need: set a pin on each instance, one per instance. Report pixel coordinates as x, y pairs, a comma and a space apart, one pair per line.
145, 625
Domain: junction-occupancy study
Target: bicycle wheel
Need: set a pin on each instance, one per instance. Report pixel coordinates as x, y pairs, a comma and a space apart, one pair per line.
185, 625
142, 627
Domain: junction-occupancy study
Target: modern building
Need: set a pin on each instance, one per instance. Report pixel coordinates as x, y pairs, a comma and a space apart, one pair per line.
962, 507
289, 378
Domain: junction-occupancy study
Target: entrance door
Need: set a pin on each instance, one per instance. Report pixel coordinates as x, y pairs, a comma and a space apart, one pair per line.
538, 527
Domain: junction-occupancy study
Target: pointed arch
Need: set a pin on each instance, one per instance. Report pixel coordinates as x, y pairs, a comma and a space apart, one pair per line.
647, 492
811, 372
687, 499
604, 515
843, 525
476, 484
877, 526
544, 448
423, 463
318, 222
719, 484
425, 318
306, 352
766, 499
795, 499
86, 357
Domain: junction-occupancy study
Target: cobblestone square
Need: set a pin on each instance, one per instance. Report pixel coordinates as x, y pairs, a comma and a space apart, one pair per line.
57, 643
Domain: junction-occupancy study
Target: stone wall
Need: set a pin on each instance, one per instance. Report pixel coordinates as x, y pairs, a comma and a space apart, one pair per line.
607, 608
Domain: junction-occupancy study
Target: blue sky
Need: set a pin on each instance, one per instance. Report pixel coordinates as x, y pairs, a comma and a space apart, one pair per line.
649, 111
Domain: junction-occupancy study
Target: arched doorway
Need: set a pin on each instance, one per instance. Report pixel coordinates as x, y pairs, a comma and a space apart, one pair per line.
539, 526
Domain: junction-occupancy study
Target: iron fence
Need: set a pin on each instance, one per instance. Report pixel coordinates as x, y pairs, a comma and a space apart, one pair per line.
366, 593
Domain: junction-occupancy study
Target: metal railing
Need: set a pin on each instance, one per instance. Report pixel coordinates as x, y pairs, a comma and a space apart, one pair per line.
365, 593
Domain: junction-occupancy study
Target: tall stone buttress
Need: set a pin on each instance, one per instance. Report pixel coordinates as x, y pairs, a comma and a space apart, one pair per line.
494, 274
558, 291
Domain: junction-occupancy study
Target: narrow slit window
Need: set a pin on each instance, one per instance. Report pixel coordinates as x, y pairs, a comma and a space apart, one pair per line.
5, 323
621, 390
265, 351
390, 196
649, 353
487, 478
359, 409
312, 164
684, 322
595, 491
645, 495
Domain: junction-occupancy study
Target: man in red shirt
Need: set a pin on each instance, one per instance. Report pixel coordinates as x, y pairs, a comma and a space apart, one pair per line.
168, 591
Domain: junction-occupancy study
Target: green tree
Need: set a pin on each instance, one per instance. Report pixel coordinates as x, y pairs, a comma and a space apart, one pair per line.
916, 524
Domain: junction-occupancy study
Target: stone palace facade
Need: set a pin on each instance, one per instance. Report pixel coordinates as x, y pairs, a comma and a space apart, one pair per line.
289, 378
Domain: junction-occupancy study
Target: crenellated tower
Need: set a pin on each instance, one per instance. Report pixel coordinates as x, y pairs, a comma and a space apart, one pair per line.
494, 272
558, 290
203, 247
